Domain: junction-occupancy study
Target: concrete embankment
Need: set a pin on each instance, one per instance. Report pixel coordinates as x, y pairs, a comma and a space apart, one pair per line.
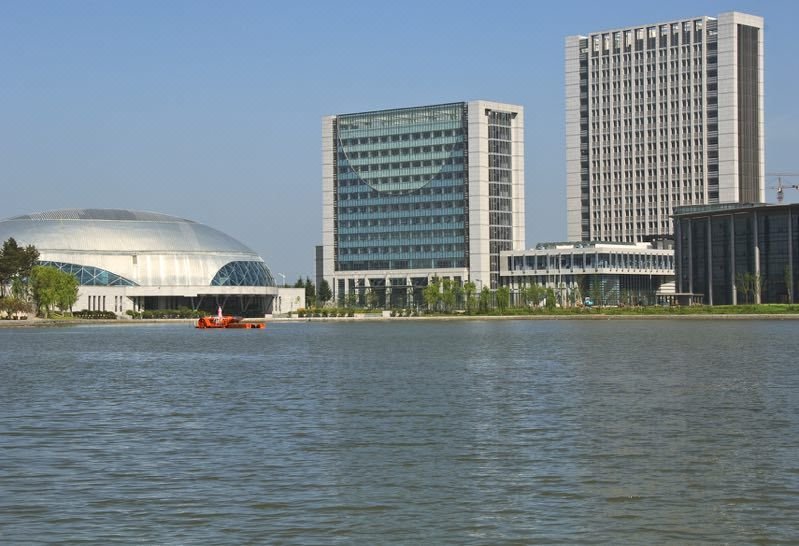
55, 323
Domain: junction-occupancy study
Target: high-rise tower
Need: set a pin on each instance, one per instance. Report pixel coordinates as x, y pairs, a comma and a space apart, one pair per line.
659, 116
413, 193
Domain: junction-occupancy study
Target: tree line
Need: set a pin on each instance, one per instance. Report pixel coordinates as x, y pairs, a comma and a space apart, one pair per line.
442, 295
26, 287
312, 297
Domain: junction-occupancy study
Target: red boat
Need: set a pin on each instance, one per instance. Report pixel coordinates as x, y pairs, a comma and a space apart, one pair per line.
227, 321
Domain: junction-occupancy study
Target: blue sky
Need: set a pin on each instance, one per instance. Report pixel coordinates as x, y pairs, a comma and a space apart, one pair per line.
211, 110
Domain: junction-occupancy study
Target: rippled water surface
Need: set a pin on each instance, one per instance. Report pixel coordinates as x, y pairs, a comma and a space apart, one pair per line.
505, 432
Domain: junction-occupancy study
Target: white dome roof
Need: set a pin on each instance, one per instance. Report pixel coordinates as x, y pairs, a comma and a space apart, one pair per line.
148, 248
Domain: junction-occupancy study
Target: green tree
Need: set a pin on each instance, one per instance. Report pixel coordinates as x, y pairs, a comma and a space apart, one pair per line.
310, 291
457, 291
503, 298
12, 305
742, 286
533, 294
52, 287
551, 301
581, 287
371, 298
432, 293
19, 288
469, 290
300, 283
448, 294
325, 294
750, 284
485, 299
16, 262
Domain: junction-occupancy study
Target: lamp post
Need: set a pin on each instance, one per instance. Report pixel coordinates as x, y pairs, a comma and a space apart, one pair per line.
284, 278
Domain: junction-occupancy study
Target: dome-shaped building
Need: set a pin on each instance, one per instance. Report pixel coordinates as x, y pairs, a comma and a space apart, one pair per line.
133, 260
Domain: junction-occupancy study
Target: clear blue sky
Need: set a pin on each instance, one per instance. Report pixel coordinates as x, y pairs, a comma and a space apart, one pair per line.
211, 110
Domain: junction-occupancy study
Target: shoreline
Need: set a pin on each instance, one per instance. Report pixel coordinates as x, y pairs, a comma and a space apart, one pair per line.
58, 323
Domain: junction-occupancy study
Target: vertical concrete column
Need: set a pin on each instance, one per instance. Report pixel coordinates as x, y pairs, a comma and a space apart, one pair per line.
790, 256
690, 225
732, 260
709, 262
755, 230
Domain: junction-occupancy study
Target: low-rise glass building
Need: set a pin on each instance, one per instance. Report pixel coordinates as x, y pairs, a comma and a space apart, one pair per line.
604, 273
738, 253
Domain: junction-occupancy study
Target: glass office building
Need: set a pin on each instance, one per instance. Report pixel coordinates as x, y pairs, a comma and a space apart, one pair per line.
413, 193
605, 273
736, 254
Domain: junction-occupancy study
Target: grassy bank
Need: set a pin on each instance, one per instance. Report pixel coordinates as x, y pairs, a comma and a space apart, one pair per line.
765, 309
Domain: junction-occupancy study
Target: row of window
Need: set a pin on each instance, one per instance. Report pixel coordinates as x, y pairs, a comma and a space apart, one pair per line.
374, 197
630, 213
403, 118
380, 223
634, 94
457, 160
416, 263
402, 234
663, 158
639, 199
590, 260
357, 183
653, 107
639, 55
392, 152
406, 137
408, 251
623, 142
603, 231
683, 33
399, 207
638, 66
687, 80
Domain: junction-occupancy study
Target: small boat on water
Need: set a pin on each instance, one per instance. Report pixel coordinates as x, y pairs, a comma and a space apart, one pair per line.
227, 321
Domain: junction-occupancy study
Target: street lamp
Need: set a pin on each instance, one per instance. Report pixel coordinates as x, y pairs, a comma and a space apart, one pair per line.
284, 278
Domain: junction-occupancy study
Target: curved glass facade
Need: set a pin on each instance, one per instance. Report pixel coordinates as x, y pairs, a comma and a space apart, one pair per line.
401, 188
90, 276
243, 273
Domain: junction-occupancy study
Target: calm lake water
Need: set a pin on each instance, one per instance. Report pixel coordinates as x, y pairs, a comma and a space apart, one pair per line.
463, 432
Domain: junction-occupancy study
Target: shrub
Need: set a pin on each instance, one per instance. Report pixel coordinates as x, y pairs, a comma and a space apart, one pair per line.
86, 314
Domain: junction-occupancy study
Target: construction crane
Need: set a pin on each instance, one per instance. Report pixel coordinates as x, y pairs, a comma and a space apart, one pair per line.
780, 187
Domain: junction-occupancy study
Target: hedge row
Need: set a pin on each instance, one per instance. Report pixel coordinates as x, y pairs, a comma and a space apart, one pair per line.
86, 314
182, 313
324, 312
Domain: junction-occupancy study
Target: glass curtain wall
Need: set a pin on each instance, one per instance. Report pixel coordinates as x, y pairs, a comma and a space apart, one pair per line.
401, 189
500, 200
